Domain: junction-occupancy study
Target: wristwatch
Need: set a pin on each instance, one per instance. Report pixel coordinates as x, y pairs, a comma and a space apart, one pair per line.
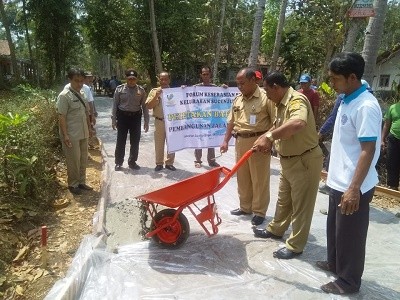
269, 136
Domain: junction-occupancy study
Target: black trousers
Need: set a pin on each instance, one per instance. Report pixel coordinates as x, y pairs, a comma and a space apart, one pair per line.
346, 240
128, 122
393, 161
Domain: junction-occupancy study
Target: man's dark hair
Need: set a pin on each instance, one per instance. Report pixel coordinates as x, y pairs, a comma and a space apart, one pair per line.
347, 63
276, 78
75, 72
248, 72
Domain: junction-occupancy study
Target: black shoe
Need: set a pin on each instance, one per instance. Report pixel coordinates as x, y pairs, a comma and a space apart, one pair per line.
238, 212
75, 190
213, 164
134, 166
85, 187
170, 167
158, 168
265, 234
257, 220
118, 168
285, 253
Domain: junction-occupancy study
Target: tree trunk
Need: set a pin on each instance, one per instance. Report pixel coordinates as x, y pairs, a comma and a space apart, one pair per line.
27, 36
278, 37
255, 42
14, 63
354, 29
156, 47
219, 39
373, 36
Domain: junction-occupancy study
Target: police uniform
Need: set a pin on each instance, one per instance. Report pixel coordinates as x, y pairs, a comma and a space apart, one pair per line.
159, 133
301, 162
75, 113
198, 153
128, 106
251, 118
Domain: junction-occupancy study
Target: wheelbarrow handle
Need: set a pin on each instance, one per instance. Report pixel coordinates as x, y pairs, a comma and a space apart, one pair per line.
229, 173
242, 160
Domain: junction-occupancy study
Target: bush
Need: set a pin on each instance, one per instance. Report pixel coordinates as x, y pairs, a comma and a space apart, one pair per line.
29, 144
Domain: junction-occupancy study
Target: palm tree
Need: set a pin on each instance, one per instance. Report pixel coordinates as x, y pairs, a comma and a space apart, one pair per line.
255, 42
156, 47
219, 38
278, 36
373, 36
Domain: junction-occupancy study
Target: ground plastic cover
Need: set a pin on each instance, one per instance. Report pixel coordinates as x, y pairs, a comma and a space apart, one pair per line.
230, 265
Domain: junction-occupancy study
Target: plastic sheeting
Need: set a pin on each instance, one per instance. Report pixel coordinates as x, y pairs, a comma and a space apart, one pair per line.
230, 265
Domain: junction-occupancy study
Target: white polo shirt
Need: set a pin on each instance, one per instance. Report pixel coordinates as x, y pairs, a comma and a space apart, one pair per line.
358, 120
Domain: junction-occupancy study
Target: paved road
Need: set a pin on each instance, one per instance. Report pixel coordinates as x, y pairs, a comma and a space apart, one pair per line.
233, 264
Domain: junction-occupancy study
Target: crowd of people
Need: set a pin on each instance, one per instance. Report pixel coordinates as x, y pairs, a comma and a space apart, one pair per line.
274, 116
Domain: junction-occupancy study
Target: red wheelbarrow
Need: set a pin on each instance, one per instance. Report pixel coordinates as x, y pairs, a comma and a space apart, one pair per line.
169, 227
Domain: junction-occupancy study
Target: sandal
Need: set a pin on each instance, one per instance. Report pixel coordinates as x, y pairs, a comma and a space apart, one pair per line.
324, 265
197, 165
334, 288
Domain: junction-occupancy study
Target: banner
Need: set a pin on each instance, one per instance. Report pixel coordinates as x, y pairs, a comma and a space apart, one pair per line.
195, 117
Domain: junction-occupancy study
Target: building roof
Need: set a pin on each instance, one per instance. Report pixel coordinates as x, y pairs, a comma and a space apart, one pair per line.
4, 49
387, 55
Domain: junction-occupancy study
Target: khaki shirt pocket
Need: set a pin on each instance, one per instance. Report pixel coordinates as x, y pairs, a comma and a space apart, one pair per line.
252, 114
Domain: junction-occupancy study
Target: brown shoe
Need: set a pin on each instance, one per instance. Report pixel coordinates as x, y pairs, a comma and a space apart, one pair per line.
324, 265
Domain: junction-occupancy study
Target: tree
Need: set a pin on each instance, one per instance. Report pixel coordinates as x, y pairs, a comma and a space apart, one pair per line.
156, 47
278, 37
373, 37
218, 41
255, 42
56, 35
4, 20
311, 48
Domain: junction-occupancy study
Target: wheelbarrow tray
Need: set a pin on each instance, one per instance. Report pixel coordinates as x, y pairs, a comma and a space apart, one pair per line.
188, 190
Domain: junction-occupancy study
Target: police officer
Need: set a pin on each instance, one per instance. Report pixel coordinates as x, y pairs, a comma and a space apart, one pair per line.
128, 107
154, 102
296, 141
251, 115
74, 124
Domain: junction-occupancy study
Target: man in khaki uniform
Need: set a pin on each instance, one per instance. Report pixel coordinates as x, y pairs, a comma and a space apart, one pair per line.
154, 102
251, 115
296, 141
74, 124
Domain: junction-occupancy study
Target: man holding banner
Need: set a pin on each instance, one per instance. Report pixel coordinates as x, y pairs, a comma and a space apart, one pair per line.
154, 102
250, 116
205, 76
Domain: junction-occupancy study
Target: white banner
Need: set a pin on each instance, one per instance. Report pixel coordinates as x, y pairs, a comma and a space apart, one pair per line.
195, 117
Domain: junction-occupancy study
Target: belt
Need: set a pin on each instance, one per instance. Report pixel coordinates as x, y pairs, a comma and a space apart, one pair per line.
129, 113
157, 118
290, 156
247, 134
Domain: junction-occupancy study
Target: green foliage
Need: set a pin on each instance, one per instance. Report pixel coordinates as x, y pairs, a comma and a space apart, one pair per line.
391, 31
313, 32
187, 32
28, 144
270, 25
325, 88
55, 29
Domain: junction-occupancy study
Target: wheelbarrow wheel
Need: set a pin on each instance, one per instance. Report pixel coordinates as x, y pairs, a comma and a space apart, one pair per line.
175, 234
